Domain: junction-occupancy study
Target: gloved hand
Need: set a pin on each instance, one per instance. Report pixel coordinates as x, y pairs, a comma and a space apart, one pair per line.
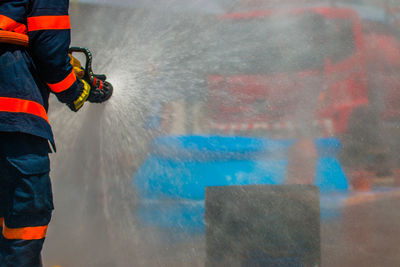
82, 97
101, 90
77, 67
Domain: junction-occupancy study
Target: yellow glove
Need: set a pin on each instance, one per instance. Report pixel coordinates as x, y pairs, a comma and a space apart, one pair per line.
85, 91
77, 67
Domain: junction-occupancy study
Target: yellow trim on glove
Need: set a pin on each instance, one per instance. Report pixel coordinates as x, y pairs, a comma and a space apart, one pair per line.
78, 103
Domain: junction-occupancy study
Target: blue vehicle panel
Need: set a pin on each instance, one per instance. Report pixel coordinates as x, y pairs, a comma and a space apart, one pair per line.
171, 182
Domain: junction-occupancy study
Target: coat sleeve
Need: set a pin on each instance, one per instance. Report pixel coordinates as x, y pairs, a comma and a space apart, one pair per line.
49, 33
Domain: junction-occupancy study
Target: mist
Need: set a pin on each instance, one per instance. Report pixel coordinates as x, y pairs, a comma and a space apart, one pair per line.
266, 92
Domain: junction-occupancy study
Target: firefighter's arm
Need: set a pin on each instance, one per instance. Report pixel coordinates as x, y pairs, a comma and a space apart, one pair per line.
49, 33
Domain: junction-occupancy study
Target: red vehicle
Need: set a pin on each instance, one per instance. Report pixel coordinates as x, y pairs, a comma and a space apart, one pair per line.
382, 116
307, 71
292, 69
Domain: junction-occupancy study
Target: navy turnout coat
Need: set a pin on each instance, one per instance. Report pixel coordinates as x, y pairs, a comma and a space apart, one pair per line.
34, 62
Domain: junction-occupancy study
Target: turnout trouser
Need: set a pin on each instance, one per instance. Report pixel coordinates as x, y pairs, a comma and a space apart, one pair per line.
26, 200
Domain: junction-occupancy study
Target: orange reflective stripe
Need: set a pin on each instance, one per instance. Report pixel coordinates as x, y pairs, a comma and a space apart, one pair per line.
64, 84
11, 25
9, 104
14, 38
49, 23
25, 233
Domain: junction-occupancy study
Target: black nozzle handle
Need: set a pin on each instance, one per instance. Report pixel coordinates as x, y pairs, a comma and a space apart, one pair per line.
88, 65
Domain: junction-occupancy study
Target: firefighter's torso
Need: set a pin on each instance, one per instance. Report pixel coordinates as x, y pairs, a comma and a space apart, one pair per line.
34, 39
23, 102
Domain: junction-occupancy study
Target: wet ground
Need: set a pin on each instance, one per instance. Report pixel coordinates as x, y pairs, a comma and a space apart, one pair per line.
365, 235
145, 54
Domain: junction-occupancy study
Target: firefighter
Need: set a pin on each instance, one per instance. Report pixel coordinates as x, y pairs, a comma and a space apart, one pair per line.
34, 62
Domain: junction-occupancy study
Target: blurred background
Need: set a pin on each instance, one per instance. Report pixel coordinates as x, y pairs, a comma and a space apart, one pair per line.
228, 92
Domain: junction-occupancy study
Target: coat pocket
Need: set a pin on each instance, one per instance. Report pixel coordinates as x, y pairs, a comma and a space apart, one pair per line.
33, 193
